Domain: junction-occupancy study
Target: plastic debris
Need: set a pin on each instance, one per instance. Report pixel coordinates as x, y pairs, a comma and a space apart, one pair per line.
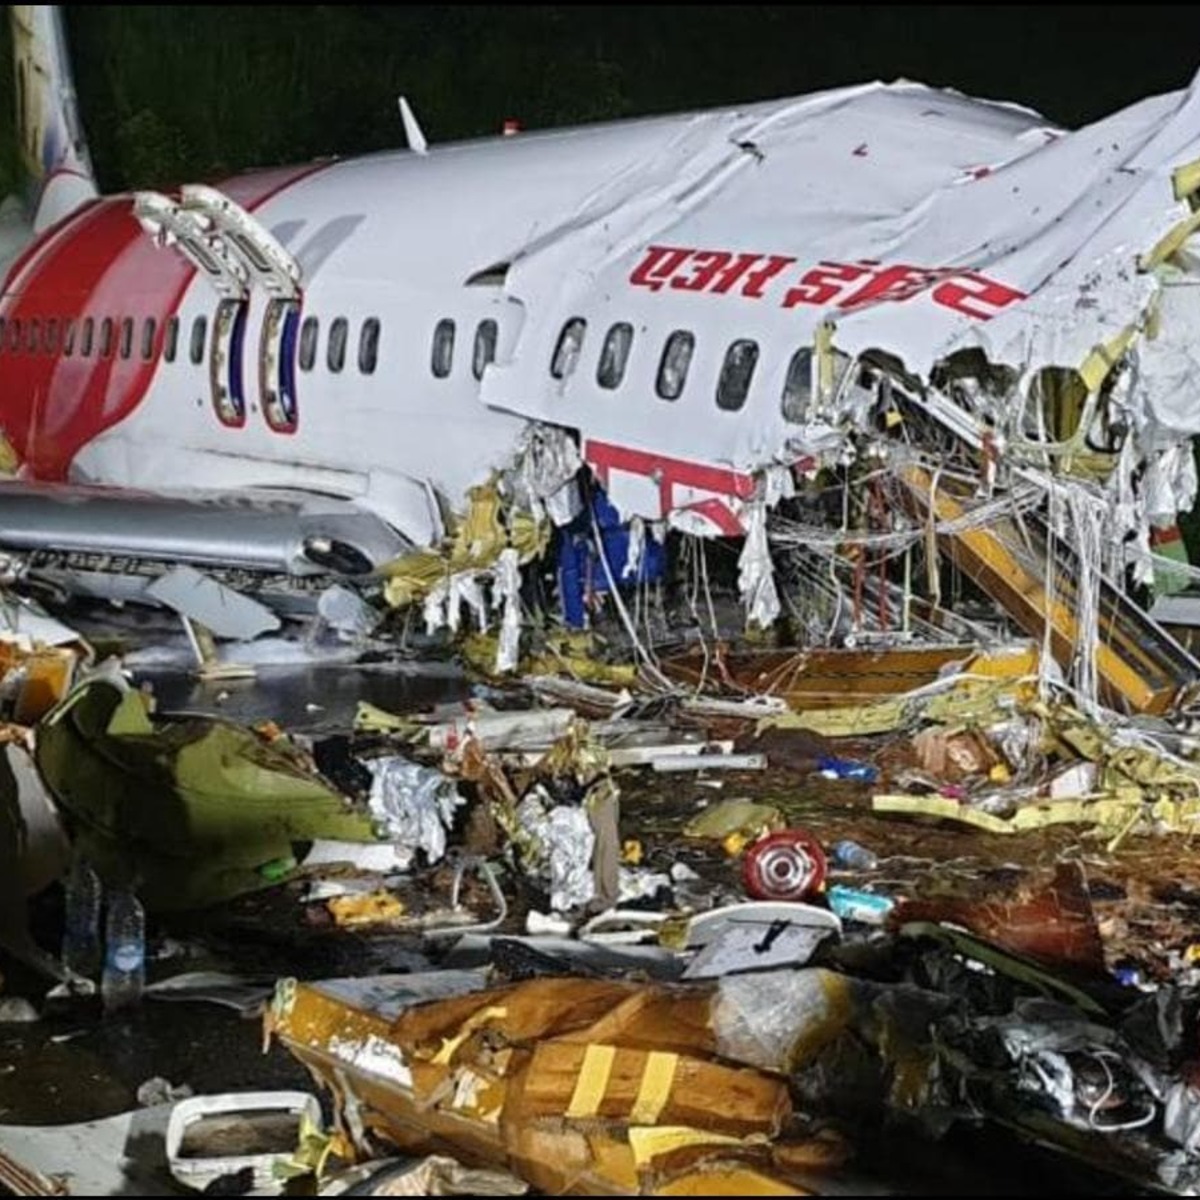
752, 937
211, 1137
81, 954
842, 768
157, 1090
745, 818
124, 973
853, 904
16, 1010
851, 855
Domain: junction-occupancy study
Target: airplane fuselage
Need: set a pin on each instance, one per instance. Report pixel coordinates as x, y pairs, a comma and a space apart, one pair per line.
393, 323
124, 365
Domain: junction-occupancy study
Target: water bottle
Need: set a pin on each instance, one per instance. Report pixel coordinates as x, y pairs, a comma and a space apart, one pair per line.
81, 924
852, 856
125, 952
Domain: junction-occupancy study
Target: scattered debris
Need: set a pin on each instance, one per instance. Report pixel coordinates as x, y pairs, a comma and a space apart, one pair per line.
688, 884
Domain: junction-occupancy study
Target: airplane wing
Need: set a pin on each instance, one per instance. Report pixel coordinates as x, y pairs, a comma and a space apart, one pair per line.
117, 543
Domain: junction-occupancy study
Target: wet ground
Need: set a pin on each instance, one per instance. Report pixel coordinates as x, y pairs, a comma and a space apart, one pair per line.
75, 1064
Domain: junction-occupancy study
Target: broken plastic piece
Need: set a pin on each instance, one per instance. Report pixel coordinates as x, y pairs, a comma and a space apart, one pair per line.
256, 1131
222, 610
709, 762
853, 904
844, 768
743, 817
751, 937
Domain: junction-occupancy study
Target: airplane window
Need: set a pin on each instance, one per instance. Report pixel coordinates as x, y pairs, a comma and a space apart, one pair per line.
673, 369
566, 353
32, 331
309, 332
199, 333
171, 339
69, 328
614, 355
106, 337
485, 347
736, 373
126, 337
148, 338
335, 354
797, 387
14, 334
51, 340
87, 336
3, 343
442, 357
368, 346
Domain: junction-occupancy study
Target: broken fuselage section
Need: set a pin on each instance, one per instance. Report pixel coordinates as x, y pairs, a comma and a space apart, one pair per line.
930, 360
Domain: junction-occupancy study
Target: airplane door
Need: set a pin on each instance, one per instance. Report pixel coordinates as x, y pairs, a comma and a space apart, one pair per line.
226, 384
191, 231
277, 364
276, 273
238, 254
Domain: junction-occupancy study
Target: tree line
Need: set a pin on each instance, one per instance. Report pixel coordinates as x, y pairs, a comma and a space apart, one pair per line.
179, 92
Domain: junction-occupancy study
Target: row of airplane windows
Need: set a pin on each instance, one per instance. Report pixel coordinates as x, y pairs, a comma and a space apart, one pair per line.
733, 384
107, 336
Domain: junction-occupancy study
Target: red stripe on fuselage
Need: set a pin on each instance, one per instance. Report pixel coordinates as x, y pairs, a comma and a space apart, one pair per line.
97, 263
668, 473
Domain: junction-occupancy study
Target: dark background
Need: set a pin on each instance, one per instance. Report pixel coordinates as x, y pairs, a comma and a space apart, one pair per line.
172, 93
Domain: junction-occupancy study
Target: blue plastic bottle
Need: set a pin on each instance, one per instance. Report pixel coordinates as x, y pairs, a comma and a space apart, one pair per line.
852, 856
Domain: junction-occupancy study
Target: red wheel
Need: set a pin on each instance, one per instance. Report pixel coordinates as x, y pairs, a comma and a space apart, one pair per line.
789, 865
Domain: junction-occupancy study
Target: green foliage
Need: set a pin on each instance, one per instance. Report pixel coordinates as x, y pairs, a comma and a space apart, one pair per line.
234, 86
8, 135
191, 92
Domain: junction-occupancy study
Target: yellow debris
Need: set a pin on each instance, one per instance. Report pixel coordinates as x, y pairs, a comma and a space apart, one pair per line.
10, 460
372, 719
740, 818
1111, 812
474, 545
1185, 181
373, 909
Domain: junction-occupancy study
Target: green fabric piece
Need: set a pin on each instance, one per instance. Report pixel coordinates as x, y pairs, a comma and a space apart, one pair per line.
186, 810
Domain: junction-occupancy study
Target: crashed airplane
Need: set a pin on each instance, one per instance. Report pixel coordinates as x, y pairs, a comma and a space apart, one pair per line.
877, 334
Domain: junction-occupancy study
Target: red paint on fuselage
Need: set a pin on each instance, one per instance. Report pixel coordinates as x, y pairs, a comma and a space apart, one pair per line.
97, 263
